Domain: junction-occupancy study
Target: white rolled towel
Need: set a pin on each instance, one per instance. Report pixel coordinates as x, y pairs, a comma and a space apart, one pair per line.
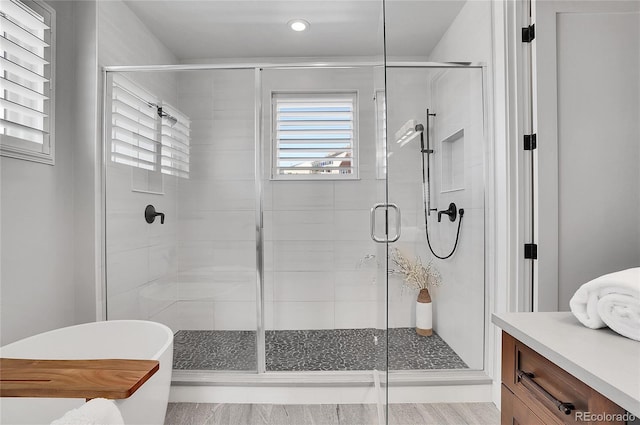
98, 411
611, 300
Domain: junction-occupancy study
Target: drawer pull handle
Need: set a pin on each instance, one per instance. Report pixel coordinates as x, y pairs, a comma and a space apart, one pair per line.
527, 377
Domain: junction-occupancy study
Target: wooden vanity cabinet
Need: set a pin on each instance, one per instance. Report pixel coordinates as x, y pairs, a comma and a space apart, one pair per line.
537, 391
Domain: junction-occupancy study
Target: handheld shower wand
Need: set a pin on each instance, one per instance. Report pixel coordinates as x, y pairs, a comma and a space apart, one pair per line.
452, 211
428, 151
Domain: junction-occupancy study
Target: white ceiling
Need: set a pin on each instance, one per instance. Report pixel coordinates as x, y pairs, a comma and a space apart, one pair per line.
257, 28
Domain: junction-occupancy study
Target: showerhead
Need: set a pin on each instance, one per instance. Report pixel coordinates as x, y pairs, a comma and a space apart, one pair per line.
170, 118
408, 132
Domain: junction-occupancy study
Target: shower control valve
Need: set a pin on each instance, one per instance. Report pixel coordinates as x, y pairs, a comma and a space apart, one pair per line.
452, 212
150, 214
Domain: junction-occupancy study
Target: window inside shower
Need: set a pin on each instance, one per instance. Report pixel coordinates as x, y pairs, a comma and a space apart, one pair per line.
255, 273
314, 135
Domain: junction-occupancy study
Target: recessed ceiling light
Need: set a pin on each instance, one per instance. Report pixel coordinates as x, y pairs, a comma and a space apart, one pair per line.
298, 24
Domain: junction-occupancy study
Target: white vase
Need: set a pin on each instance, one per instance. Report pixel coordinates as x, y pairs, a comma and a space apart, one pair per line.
424, 313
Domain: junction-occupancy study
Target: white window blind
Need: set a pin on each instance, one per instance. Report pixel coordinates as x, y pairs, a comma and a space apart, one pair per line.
26, 81
176, 128
134, 131
147, 133
314, 135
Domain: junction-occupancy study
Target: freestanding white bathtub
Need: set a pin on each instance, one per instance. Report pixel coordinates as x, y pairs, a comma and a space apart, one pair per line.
117, 339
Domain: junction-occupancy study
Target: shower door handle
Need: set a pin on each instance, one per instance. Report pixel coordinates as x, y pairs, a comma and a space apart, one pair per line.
373, 223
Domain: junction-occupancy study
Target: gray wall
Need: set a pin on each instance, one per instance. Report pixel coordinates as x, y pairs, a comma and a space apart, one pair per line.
38, 211
86, 157
50, 237
598, 146
469, 36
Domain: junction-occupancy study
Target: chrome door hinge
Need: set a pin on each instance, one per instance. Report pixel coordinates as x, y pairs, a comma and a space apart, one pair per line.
528, 33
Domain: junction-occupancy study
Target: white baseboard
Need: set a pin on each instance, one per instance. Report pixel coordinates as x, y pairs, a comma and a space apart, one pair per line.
359, 387
441, 394
329, 394
272, 395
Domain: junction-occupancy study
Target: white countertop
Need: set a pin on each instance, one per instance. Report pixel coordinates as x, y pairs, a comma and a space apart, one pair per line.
601, 358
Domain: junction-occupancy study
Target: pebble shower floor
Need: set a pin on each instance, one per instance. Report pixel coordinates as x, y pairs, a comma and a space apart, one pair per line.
309, 350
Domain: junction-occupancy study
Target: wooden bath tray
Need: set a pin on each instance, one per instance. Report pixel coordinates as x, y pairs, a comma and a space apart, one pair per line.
108, 378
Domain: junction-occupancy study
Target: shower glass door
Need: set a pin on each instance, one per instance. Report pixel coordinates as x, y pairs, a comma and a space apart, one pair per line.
183, 142
303, 292
218, 286
322, 286
436, 131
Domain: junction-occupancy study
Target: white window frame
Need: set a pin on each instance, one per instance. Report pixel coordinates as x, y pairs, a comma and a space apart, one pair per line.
15, 147
355, 158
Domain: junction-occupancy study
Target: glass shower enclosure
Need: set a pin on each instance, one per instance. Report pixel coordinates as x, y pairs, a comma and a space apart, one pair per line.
259, 211
237, 212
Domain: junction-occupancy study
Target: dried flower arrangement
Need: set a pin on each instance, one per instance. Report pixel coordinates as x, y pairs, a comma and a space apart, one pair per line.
415, 275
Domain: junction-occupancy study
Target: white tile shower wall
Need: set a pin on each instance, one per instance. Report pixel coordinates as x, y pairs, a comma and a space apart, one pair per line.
459, 301
317, 232
467, 39
141, 258
408, 96
456, 98
318, 273
216, 208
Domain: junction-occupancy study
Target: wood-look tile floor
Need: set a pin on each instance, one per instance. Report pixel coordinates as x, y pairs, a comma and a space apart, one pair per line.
330, 414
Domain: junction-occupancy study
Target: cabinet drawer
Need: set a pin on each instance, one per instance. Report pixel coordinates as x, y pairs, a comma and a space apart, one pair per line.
543, 386
514, 412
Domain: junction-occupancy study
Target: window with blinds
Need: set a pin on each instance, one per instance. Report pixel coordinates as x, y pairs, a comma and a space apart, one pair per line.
175, 142
26, 80
147, 133
134, 133
314, 136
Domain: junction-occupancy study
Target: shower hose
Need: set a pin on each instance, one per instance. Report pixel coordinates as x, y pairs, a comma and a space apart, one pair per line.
425, 189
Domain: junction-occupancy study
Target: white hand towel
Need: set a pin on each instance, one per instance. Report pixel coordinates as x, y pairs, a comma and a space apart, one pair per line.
611, 300
98, 411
